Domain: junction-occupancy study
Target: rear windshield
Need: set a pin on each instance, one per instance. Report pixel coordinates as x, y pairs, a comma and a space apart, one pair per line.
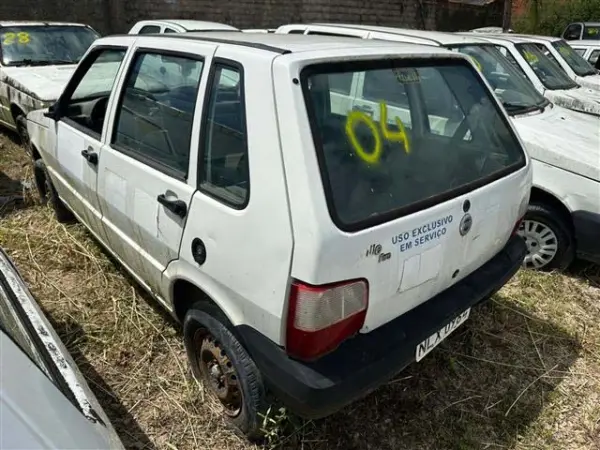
579, 65
394, 137
591, 32
547, 70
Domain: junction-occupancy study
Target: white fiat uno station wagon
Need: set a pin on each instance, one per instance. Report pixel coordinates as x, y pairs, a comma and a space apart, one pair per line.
301, 204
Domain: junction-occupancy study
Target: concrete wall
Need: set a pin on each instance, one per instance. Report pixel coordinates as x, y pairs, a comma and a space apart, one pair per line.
117, 16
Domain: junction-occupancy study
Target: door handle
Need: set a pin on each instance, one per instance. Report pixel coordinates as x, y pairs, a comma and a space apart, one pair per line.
90, 155
176, 206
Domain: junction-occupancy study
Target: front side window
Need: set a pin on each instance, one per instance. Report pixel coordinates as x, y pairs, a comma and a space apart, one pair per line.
591, 32
518, 95
225, 171
593, 59
413, 136
549, 72
156, 111
573, 32
86, 106
44, 45
579, 65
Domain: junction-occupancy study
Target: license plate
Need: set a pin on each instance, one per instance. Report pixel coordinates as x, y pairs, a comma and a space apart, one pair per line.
433, 341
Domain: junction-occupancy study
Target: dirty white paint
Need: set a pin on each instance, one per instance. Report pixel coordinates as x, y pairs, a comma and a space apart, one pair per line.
562, 138
57, 351
590, 82
579, 99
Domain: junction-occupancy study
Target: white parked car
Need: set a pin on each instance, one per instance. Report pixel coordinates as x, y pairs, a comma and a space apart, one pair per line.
312, 240
36, 60
44, 400
578, 68
177, 26
588, 50
582, 31
563, 218
546, 74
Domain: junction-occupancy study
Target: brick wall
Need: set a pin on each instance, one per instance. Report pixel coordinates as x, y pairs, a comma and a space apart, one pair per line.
117, 16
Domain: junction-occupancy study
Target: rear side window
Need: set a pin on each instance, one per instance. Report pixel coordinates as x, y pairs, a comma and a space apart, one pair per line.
410, 138
150, 29
593, 59
155, 115
224, 174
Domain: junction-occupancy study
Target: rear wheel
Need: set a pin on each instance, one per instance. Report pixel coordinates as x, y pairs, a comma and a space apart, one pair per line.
48, 193
549, 238
218, 359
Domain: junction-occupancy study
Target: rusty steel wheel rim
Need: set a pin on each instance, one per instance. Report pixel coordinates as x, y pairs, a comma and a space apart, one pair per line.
218, 372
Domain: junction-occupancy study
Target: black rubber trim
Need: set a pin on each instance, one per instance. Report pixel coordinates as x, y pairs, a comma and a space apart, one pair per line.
186, 35
361, 364
587, 234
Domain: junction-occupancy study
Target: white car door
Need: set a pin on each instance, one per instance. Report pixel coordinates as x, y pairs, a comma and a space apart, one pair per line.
79, 119
147, 173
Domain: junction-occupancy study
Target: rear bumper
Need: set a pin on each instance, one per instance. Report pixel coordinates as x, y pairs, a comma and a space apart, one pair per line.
361, 364
587, 233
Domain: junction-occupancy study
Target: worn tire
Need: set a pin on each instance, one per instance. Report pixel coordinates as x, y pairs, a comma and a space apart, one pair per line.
208, 320
556, 221
48, 193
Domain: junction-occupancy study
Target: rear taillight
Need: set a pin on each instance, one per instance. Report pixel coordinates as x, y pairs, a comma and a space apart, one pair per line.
321, 317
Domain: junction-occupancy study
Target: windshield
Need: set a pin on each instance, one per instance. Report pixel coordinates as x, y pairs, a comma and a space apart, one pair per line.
547, 70
579, 65
391, 141
516, 92
44, 45
591, 32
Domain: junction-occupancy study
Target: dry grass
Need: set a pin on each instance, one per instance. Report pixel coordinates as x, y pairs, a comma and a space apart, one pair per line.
523, 374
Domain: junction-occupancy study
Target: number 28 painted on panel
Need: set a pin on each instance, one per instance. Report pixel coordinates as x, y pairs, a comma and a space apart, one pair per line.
11, 38
379, 133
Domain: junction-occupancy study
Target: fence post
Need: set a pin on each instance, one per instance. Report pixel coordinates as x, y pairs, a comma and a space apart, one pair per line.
507, 15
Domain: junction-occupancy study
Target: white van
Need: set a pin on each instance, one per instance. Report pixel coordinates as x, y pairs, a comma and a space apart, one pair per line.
564, 215
292, 201
547, 76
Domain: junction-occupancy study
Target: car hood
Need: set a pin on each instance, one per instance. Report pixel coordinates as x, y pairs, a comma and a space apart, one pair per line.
565, 139
44, 83
579, 99
590, 82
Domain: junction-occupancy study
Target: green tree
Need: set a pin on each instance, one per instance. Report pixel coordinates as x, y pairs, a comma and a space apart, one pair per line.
550, 17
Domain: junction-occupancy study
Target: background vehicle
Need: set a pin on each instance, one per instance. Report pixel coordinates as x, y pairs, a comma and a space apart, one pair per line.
589, 50
582, 31
563, 144
36, 60
44, 400
177, 26
257, 198
546, 75
490, 30
581, 71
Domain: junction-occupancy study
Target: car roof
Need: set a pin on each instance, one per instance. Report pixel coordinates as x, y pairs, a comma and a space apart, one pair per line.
593, 24
294, 43
514, 38
193, 24
17, 23
435, 37
584, 43
533, 37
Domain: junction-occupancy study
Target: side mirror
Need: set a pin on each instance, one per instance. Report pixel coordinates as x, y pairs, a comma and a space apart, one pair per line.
52, 112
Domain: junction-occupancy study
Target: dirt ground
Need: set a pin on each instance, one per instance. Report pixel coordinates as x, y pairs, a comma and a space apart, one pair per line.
523, 373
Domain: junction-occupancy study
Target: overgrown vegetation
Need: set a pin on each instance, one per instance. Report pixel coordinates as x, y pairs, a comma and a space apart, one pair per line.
523, 373
551, 17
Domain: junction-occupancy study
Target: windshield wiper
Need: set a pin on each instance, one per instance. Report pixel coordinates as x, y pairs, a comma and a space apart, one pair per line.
520, 108
42, 62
